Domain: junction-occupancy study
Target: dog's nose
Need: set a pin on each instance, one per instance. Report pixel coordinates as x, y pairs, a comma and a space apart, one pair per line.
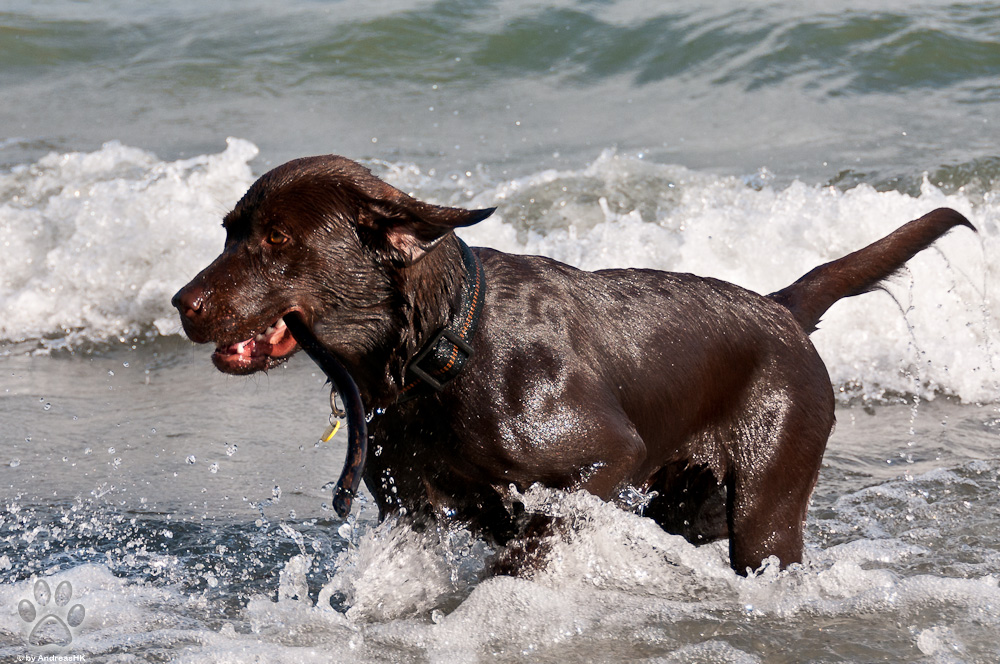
189, 301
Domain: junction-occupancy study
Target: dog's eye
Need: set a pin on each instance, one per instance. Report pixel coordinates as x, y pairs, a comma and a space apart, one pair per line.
276, 237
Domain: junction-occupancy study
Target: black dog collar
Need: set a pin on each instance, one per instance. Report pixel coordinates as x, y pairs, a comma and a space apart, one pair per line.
442, 358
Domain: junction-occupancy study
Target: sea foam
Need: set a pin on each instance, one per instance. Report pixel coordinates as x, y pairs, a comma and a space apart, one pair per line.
95, 244
614, 585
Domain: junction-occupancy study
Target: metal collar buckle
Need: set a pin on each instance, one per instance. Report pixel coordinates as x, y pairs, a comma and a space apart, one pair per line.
445, 335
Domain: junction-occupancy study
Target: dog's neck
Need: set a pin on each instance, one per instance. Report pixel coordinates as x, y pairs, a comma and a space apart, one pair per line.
428, 296
433, 287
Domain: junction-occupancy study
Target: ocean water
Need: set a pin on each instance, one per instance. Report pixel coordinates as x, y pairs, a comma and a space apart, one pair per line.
153, 509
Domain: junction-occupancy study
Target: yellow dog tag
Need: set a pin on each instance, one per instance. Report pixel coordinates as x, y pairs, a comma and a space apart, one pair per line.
330, 431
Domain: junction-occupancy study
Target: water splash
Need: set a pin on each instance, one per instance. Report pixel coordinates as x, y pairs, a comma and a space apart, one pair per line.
96, 243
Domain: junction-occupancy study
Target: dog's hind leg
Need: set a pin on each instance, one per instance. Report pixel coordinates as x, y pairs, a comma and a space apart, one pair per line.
770, 482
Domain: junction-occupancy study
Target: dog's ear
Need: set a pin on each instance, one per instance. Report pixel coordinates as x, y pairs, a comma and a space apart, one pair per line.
411, 229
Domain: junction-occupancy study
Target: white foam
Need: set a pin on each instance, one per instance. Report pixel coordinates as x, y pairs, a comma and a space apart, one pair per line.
615, 586
118, 614
614, 577
394, 571
95, 244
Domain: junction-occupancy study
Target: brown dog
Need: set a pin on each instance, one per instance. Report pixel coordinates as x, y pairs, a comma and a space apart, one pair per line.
706, 393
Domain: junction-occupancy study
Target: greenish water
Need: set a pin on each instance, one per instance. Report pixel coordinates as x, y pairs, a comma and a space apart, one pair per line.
806, 91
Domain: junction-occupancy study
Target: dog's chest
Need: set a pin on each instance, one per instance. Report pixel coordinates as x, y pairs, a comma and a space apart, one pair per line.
416, 458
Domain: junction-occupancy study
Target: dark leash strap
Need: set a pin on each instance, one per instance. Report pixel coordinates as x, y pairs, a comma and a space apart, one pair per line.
442, 358
357, 428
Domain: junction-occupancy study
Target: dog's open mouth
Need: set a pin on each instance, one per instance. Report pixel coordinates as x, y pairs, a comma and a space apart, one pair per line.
261, 352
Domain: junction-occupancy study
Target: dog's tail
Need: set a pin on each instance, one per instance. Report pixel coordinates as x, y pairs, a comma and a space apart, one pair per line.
863, 271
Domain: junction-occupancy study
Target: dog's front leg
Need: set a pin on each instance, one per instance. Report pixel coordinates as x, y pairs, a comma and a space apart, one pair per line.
604, 453
614, 456
528, 551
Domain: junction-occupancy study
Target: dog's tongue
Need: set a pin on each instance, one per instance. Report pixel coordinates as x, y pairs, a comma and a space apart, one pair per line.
245, 348
275, 341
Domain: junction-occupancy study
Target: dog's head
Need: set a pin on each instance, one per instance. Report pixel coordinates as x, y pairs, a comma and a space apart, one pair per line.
321, 236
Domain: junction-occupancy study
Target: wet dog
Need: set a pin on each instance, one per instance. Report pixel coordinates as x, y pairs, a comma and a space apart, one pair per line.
488, 371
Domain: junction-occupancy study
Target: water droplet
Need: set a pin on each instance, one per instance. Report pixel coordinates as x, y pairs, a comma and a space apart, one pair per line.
276, 492
110, 372
47, 406
125, 364
14, 463
345, 530
88, 450
111, 450
231, 450
153, 430
214, 468
191, 459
